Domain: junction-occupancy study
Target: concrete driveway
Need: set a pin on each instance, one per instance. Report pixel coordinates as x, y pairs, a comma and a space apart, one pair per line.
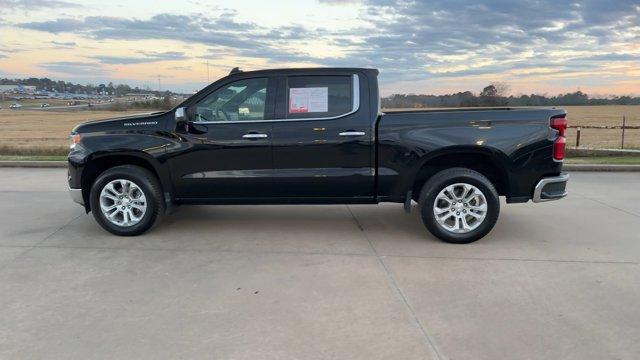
557, 280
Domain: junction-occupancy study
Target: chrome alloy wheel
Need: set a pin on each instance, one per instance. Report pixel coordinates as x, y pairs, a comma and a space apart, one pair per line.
460, 208
122, 202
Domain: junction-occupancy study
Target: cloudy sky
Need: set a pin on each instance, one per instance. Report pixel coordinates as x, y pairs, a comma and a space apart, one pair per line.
436, 46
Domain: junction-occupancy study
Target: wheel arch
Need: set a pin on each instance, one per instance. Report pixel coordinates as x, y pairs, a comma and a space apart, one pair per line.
488, 161
100, 162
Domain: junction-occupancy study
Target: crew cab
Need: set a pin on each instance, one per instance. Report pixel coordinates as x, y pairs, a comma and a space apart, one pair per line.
316, 136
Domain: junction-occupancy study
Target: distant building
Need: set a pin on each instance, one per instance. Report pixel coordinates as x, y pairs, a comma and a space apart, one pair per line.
23, 89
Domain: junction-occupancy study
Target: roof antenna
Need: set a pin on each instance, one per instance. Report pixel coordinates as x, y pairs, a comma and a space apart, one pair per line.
235, 70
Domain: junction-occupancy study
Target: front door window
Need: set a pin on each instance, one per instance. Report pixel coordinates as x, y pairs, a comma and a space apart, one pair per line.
243, 100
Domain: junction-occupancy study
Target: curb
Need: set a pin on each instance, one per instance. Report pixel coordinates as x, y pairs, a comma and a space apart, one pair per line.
33, 164
565, 167
601, 167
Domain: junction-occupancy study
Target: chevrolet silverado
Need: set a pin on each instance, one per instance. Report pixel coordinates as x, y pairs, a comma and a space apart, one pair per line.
317, 136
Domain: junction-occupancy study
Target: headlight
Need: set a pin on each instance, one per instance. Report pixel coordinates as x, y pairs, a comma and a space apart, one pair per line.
74, 139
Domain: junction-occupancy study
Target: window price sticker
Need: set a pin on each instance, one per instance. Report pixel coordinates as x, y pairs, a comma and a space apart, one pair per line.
308, 100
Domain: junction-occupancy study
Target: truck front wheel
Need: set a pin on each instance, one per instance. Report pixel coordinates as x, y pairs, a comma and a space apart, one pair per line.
126, 200
459, 205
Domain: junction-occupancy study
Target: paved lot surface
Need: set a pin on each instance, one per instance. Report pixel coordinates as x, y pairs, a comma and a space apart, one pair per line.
557, 280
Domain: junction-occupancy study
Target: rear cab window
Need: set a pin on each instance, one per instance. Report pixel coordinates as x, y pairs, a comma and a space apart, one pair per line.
319, 96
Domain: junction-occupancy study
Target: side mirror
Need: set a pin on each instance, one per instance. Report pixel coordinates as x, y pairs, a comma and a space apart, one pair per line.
181, 115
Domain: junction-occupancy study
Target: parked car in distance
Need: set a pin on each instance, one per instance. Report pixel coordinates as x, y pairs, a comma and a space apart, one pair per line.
15, 106
45, 105
317, 136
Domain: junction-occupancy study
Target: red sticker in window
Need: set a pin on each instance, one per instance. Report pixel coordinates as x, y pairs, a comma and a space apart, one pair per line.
298, 100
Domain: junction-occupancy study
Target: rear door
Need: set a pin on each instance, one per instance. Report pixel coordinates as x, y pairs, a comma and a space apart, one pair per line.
323, 138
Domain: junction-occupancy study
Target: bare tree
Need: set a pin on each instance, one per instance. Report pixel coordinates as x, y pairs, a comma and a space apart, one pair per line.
502, 88
494, 94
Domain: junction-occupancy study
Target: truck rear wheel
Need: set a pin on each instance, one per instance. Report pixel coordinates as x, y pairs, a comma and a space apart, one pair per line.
459, 205
126, 200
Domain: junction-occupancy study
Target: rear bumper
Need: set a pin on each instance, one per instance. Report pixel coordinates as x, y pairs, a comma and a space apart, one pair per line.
76, 196
551, 188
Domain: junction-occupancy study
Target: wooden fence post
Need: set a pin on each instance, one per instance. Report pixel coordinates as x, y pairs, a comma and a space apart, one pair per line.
578, 137
624, 121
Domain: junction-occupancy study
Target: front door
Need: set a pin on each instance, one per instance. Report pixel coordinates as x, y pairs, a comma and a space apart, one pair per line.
227, 151
323, 142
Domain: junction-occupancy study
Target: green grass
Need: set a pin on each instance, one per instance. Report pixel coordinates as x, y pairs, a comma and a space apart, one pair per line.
33, 158
616, 160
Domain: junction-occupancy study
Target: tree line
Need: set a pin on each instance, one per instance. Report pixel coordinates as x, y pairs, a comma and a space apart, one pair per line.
46, 84
492, 95
495, 95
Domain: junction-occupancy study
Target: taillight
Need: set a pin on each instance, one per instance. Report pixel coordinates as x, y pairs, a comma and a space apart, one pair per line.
560, 124
559, 147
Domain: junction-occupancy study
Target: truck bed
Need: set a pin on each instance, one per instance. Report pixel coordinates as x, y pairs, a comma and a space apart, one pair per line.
519, 139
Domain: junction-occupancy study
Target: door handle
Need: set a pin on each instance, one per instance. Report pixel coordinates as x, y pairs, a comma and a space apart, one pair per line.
351, 133
254, 136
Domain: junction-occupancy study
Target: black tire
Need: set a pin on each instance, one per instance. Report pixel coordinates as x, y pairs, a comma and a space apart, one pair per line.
447, 177
149, 185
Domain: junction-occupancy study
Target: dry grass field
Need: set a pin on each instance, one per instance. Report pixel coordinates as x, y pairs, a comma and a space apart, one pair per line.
46, 132
609, 115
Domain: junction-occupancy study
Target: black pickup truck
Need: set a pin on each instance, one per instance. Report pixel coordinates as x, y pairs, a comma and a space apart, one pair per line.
316, 136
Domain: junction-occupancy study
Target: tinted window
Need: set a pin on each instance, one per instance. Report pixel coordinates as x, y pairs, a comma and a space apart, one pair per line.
238, 101
318, 96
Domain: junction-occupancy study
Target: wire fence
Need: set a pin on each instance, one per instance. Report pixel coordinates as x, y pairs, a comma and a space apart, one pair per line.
605, 136
604, 127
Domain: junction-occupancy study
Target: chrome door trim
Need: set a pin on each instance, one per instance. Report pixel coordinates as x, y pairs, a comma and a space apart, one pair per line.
281, 173
352, 133
355, 107
255, 136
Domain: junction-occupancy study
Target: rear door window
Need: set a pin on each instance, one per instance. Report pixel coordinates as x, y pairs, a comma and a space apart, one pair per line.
318, 96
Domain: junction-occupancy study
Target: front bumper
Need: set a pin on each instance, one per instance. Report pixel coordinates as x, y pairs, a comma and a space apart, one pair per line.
76, 195
551, 188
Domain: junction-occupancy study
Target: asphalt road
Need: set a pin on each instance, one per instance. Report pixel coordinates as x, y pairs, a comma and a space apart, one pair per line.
558, 280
